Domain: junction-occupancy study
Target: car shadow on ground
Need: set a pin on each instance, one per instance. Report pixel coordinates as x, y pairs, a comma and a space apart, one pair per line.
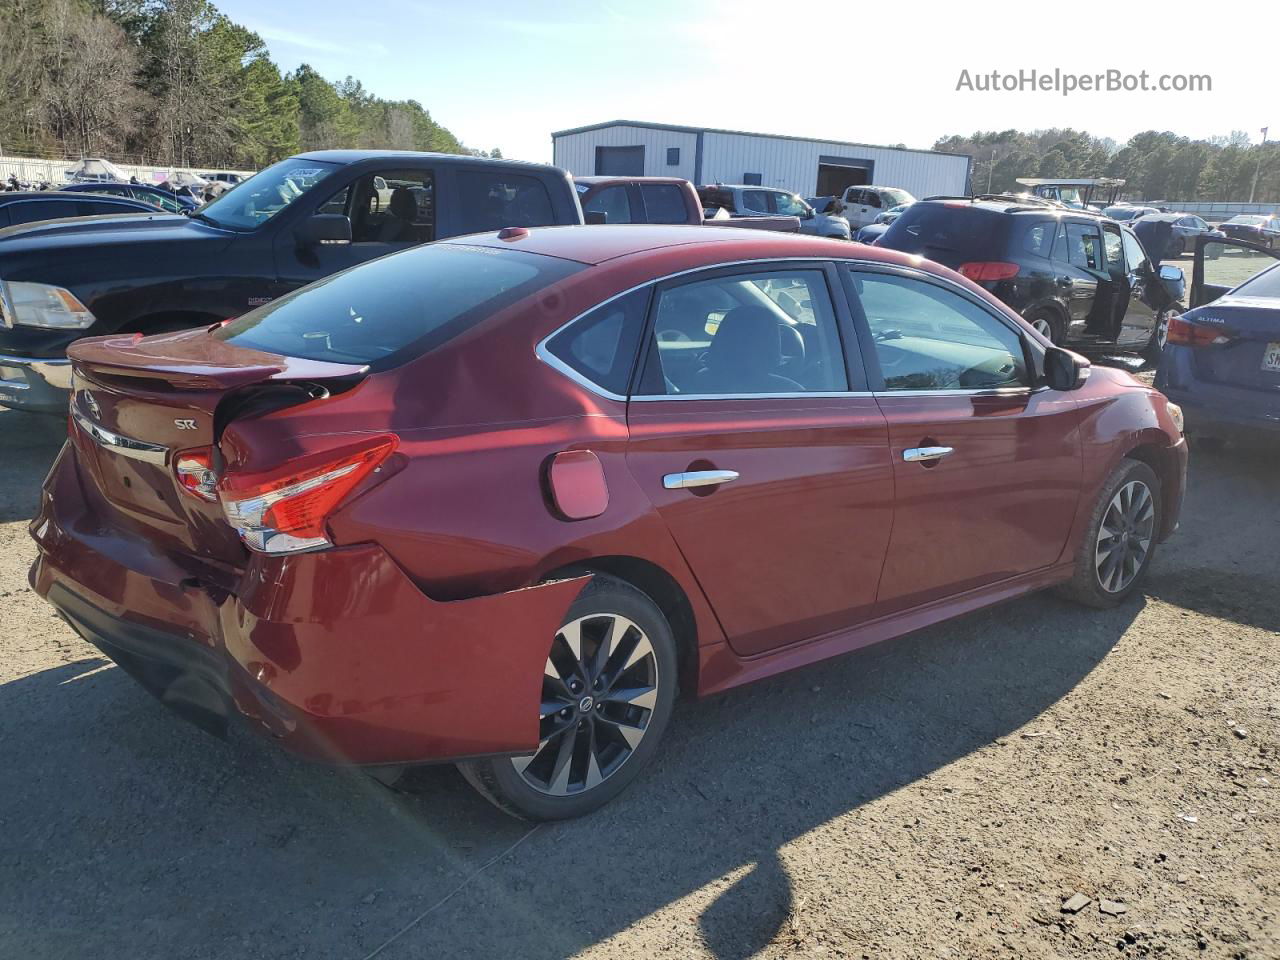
123, 831
128, 832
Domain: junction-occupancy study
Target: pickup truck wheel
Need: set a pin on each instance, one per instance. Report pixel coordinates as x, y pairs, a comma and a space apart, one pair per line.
608, 689
1120, 540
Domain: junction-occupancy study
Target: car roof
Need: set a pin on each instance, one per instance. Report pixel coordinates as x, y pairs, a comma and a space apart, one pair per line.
593, 181
596, 244
1014, 205
15, 196
357, 156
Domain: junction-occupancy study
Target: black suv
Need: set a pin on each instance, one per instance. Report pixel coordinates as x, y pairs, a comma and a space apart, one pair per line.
1075, 276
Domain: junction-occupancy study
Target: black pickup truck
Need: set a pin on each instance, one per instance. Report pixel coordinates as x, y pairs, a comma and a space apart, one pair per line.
295, 222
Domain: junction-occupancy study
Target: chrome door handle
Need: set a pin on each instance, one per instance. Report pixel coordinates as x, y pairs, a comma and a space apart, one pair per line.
698, 478
925, 454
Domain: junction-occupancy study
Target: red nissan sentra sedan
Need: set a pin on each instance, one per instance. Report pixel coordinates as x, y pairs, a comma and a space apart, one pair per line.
495, 500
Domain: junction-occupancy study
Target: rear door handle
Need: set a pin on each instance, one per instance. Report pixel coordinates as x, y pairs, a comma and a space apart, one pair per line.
698, 478
925, 454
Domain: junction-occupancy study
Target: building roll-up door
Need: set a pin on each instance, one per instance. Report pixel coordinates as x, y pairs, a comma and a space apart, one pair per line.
619, 161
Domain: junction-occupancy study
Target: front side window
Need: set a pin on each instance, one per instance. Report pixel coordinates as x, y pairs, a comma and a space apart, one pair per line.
389, 310
255, 201
929, 338
1135, 257
392, 206
767, 332
789, 205
601, 346
493, 200
613, 202
663, 203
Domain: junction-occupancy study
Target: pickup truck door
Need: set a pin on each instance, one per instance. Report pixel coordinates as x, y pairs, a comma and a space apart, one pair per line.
391, 209
862, 208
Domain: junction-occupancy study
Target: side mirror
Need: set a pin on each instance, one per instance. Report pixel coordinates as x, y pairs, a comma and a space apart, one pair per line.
809, 214
1064, 370
595, 216
324, 229
1173, 280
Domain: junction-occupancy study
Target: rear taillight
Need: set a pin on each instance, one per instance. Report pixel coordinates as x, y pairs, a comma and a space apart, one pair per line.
980, 270
286, 510
1188, 333
196, 477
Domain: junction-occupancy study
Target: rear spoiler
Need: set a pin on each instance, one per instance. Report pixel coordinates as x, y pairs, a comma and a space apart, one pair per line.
194, 360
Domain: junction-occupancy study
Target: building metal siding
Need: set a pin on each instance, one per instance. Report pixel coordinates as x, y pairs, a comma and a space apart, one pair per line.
708, 156
577, 152
793, 164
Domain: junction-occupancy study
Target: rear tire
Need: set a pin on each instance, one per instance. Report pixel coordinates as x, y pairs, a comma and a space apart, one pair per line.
1048, 324
608, 691
1120, 540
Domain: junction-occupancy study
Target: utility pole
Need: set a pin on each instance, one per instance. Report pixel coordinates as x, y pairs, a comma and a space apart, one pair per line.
1258, 169
991, 169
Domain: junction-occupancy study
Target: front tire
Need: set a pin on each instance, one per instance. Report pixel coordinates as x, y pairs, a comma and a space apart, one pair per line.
608, 689
1120, 541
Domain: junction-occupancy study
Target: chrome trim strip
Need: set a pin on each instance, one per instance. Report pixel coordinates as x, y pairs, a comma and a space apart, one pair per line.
802, 395
698, 478
564, 369
55, 371
926, 454
117, 443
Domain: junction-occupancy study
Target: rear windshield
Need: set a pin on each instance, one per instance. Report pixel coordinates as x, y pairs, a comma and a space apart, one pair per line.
390, 310
949, 233
1265, 284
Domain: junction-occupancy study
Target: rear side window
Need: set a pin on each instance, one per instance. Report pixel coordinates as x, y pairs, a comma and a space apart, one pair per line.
1082, 246
491, 201
601, 346
757, 201
32, 210
1039, 238
390, 310
663, 203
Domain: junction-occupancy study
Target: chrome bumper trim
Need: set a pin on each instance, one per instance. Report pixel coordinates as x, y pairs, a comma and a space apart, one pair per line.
56, 372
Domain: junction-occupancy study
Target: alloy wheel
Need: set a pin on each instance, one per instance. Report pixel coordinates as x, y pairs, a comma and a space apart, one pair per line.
1124, 539
599, 689
1042, 326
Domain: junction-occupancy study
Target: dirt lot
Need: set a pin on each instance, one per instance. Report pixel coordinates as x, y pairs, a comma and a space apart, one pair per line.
938, 796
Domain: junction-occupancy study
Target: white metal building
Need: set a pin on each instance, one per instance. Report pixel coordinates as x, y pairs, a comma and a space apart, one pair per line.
705, 155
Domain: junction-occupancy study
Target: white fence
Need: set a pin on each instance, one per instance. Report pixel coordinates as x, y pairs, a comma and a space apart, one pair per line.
55, 171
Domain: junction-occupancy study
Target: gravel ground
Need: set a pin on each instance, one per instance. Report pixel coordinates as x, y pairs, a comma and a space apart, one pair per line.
937, 796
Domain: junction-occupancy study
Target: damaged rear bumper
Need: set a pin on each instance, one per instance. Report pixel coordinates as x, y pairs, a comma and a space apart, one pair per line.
336, 654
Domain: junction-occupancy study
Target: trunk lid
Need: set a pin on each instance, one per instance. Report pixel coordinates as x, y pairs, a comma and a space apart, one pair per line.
139, 402
1251, 356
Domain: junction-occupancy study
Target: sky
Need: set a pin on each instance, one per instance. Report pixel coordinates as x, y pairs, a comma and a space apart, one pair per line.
500, 73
